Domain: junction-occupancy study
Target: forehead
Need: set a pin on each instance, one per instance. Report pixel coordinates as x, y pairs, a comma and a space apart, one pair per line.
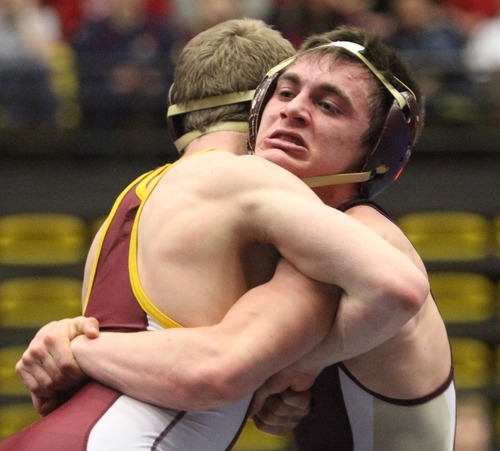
332, 73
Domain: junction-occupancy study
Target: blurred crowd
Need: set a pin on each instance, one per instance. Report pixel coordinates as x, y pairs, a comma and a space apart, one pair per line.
108, 64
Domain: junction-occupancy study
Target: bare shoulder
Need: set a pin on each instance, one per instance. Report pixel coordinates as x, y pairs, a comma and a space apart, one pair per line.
386, 228
375, 220
224, 173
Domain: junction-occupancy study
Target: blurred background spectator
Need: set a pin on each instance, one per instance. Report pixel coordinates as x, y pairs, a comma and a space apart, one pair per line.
481, 52
474, 425
69, 12
193, 16
29, 32
480, 22
124, 52
433, 48
297, 19
108, 64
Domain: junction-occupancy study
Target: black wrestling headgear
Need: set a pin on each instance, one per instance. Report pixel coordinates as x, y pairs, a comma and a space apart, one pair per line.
386, 160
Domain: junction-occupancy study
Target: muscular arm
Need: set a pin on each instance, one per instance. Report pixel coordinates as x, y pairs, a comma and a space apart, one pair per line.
200, 368
362, 325
270, 327
262, 331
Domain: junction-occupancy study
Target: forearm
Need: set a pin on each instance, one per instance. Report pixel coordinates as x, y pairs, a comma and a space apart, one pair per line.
199, 368
187, 369
357, 329
369, 318
159, 367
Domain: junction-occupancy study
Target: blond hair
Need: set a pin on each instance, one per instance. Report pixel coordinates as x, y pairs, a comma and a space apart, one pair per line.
232, 56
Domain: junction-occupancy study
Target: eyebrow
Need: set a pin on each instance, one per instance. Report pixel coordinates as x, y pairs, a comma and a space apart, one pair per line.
326, 87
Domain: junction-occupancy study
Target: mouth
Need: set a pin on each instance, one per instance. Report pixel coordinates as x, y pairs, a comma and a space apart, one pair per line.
287, 140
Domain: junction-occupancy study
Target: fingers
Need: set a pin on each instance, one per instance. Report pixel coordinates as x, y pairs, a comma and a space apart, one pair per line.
80, 325
296, 401
35, 381
42, 375
48, 364
48, 368
287, 381
258, 401
281, 413
278, 383
46, 405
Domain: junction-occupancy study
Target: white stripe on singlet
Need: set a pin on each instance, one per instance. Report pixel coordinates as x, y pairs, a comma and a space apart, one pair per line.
134, 425
381, 425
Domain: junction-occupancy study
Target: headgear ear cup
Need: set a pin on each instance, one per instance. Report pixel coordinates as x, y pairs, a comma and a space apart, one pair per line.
394, 145
263, 93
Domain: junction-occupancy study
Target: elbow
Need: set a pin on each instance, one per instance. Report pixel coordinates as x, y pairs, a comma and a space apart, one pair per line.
408, 291
208, 388
414, 289
227, 383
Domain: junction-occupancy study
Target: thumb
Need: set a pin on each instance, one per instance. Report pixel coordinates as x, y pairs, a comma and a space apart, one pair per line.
91, 328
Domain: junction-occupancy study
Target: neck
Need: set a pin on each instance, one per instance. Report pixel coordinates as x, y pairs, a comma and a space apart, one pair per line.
233, 142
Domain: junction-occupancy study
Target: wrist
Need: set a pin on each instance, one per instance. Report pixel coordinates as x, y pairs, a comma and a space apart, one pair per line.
310, 365
78, 347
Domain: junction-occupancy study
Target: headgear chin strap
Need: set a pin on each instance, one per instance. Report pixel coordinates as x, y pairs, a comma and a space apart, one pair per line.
341, 179
181, 140
386, 160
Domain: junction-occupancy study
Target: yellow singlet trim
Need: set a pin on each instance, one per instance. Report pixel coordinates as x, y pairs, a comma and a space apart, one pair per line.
104, 231
144, 190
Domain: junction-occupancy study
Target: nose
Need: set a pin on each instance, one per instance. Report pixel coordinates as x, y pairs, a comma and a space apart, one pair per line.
295, 110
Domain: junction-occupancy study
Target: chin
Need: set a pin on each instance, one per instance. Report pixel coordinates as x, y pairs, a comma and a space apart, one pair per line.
274, 155
281, 159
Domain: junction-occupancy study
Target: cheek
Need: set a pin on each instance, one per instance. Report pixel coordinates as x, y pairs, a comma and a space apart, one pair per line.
338, 152
268, 116
266, 122
349, 139
338, 143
